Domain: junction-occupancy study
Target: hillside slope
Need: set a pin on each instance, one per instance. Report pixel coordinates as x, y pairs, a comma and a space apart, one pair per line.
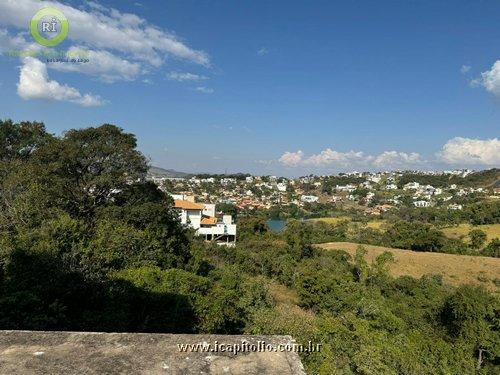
161, 172
455, 269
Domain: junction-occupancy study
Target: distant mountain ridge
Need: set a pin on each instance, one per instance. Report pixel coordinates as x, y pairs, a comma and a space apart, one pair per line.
161, 172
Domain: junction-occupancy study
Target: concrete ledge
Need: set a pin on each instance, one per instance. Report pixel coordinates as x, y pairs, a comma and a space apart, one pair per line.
38, 352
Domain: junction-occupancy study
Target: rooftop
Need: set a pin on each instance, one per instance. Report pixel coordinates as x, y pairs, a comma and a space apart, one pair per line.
187, 205
209, 221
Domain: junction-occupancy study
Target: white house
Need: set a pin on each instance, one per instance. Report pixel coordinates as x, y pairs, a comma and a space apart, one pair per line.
422, 204
201, 217
349, 187
411, 186
309, 198
281, 186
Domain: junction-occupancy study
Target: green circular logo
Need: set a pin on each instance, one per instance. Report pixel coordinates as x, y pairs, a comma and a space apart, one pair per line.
49, 27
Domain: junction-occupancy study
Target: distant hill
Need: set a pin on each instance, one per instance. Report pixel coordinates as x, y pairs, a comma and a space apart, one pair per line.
161, 172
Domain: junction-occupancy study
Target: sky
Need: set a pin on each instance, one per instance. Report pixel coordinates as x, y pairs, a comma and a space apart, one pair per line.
268, 87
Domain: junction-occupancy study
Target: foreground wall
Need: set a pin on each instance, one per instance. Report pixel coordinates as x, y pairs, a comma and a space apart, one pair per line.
35, 352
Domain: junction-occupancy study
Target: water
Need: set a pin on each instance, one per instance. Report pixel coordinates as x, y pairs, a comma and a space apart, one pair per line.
276, 225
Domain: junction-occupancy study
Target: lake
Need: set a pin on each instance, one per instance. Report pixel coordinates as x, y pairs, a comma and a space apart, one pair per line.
276, 225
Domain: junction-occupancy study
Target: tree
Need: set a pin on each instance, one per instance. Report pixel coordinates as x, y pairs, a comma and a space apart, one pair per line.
361, 268
251, 226
19, 140
477, 238
493, 248
471, 315
87, 166
298, 239
228, 209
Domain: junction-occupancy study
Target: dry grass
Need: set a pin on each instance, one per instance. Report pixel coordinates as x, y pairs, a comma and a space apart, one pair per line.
462, 230
282, 295
455, 269
375, 224
333, 220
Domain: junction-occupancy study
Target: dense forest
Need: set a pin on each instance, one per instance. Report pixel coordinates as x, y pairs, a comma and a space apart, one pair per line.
86, 243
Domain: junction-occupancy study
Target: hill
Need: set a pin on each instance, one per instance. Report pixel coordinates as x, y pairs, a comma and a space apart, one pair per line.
462, 230
161, 172
485, 178
455, 269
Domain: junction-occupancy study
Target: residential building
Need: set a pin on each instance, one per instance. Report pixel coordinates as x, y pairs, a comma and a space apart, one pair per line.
309, 198
201, 217
281, 186
411, 186
422, 204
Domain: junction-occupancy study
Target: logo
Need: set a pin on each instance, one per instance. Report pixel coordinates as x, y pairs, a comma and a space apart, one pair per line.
49, 27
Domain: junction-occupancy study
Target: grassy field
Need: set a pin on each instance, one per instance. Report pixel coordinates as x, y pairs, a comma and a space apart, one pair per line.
455, 269
375, 224
492, 231
333, 220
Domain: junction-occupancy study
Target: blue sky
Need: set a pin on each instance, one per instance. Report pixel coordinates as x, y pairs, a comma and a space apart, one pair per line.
280, 87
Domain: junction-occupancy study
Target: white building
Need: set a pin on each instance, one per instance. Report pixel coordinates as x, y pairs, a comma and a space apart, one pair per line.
411, 186
281, 186
349, 187
227, 181
422, 204
201, 217
309, 198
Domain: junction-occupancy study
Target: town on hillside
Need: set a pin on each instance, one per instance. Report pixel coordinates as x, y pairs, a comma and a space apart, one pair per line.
209, 203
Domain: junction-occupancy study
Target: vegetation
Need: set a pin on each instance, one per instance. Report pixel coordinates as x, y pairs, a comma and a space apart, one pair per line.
462, 231
482, 178
453, 269
87, 244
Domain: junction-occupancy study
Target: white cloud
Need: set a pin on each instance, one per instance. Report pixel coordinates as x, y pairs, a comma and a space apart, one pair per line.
34, 83
457, 151
262, 51
490, 79
102, 64
394, 159
291, 159
329, 156
105, 28
119, 46
333, 158
17, 42
204, 90
465, 69
182, 77
466, 151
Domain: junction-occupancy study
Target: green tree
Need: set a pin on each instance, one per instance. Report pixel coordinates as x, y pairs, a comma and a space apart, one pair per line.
493, 248
298, 238
87, 166
19, 140
477, 238
471, 315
